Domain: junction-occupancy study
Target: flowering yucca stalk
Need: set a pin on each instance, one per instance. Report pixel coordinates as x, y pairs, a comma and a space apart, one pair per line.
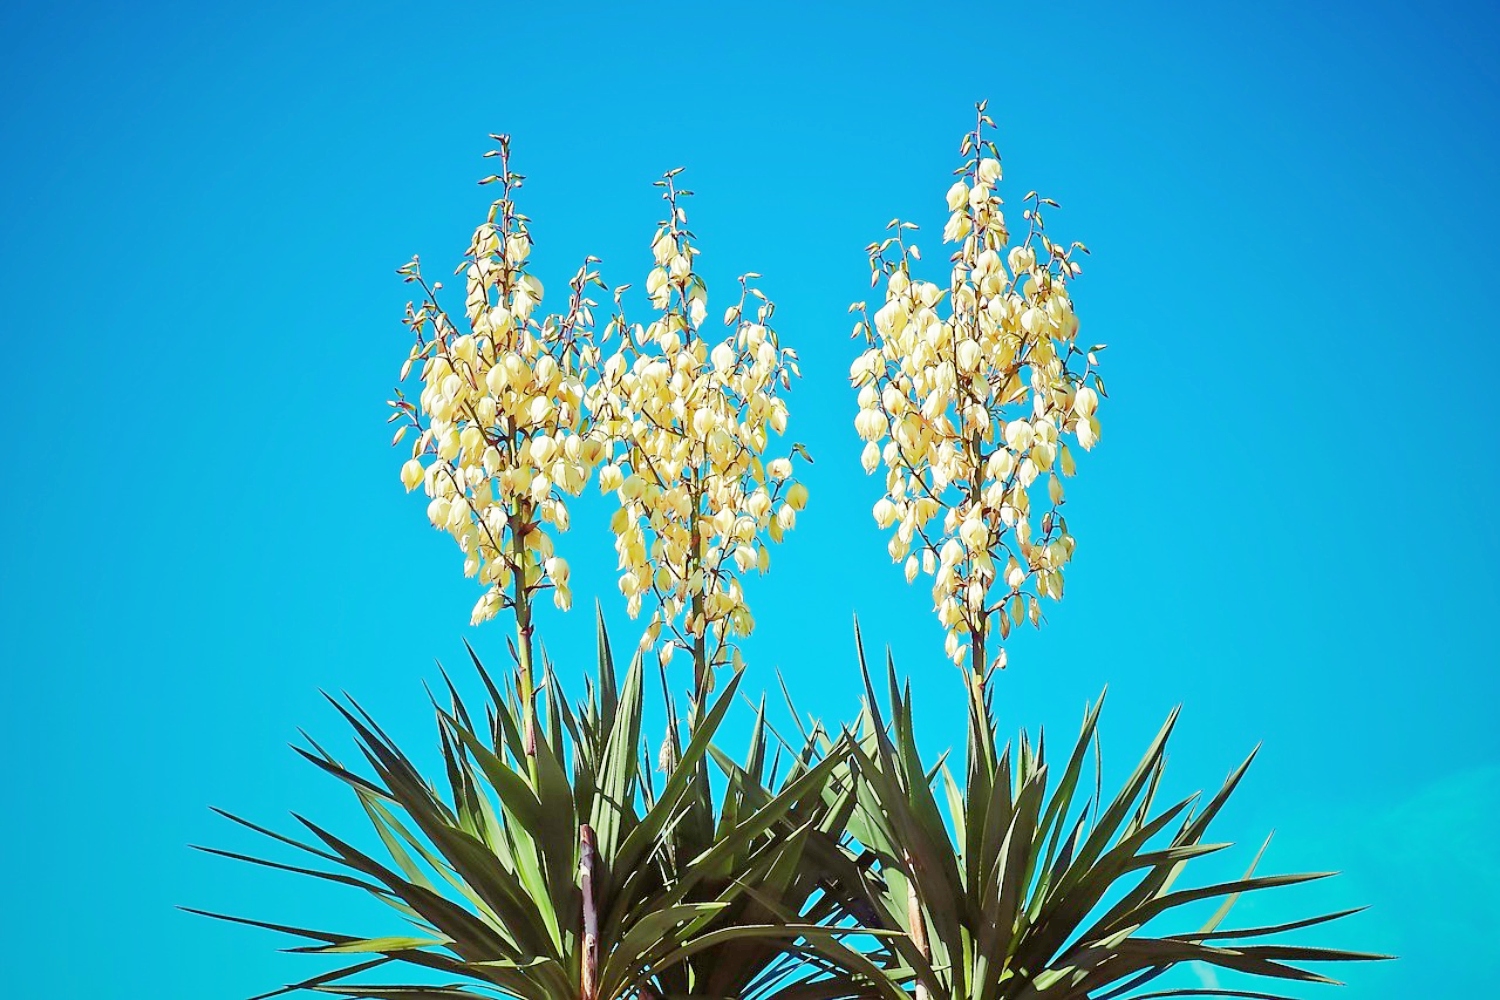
1022, 892
500, 430
687, 421
967, 394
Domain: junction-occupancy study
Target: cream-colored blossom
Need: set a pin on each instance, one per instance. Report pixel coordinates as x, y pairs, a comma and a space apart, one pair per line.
687, 419
499, 416
501, 436
967, 392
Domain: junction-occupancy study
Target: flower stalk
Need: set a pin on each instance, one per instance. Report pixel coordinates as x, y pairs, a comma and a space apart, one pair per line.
501, 438
967, 396
686, 421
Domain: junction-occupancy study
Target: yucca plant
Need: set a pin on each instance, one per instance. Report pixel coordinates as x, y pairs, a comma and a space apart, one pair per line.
553, 866
1021, 891
544, 888
973, 391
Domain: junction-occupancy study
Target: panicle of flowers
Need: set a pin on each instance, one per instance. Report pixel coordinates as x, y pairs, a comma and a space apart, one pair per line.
500, 436
967, 396
687, 420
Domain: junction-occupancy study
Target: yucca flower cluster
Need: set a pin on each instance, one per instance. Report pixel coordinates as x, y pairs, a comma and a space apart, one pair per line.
504, 440
687, 421
967, 394
516, 414
501, 438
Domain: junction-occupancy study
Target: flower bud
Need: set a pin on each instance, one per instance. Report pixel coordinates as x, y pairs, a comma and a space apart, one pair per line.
546, 371
1021, 260
1065, 461
957, 228
722, 358
1027, 473
542, 449
613, 369
533, 287
778, 416
1088, 432
871, 425
1019, 435
974, 533
663, 247
968, 355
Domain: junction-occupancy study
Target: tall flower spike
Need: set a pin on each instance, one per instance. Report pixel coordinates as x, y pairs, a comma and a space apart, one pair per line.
688, 422
500, 436
967, 396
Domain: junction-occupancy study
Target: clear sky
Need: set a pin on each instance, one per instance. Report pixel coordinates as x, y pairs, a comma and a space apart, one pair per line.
1288, 527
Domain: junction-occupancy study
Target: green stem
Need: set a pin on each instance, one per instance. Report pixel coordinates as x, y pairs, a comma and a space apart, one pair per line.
700, 633
522, 603
979, 715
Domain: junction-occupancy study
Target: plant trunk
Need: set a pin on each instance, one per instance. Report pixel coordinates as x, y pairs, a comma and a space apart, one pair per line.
916, 921
589, 974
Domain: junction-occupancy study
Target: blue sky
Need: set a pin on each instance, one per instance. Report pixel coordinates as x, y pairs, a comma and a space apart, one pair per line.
1287, 527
